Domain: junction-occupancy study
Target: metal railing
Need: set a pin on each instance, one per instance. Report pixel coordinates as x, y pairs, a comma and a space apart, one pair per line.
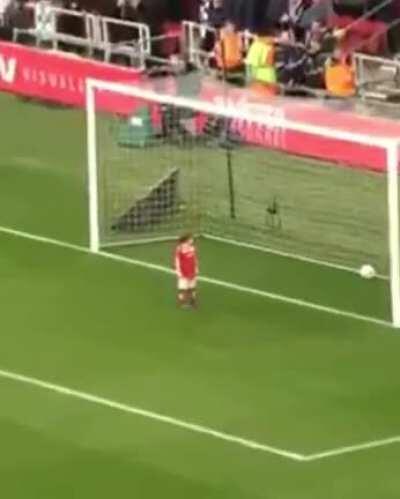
194, 35
377, 77
92, 33
135, 44
61, 35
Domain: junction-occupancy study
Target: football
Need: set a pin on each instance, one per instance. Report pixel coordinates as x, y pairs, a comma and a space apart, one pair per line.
367, 272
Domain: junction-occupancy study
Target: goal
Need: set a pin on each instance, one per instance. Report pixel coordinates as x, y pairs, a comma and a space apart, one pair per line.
160, 165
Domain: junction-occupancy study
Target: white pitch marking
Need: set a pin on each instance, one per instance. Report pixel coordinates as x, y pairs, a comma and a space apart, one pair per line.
285, 254
353, 448
196, 428
193, 427
208, 280
294, 301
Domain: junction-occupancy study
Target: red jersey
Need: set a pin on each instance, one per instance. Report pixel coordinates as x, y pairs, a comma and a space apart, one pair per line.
186, 261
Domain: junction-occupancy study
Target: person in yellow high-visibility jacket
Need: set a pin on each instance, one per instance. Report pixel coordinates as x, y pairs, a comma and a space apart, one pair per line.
260, 63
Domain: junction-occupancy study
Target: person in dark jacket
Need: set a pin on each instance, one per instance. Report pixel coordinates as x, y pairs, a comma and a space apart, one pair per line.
247, 14
291, 61
155, 13
216, 16
188, 9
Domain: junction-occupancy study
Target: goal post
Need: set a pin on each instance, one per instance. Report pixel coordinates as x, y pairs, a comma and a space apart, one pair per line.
394, 229
93, 187
161, 164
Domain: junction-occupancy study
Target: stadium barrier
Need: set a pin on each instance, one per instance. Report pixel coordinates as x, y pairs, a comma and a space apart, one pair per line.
136, 43
377, 77
314, 114
60, 78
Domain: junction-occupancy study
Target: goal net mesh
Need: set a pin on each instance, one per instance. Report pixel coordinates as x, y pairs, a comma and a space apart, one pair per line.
165, 169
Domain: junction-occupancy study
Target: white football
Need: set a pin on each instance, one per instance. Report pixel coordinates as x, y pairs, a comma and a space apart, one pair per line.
367, 272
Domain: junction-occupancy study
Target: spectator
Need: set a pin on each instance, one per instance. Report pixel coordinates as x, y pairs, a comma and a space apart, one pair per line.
246, 14
275, 10
17, 16
102, 7
184, 10
340, 80
229, 49
4, 5
291, 61
215, 14
45, 21
298, 8
155, 13
212, 15
260, 63
320, 43
287, 26
315, 37
128, 9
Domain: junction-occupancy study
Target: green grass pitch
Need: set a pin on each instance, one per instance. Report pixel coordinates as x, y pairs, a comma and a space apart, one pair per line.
287, 377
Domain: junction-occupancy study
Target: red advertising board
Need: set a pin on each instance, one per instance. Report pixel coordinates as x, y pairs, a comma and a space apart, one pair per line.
349, 153
59, 77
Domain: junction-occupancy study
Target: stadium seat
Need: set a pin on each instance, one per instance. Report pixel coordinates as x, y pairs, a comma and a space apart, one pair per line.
170, 44
364, 35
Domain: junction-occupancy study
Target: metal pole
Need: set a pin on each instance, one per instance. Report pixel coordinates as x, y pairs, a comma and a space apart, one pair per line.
228, 147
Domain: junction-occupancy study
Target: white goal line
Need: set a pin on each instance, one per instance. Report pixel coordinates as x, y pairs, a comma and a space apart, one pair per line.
192, 427
286, 254
208, 280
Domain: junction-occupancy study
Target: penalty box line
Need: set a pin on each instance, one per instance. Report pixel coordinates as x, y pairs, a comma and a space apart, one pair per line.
193, 427
209, 280
162, 418
351, 449
166, 419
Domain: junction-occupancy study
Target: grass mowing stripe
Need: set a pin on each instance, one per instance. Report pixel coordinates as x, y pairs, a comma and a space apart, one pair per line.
208, 280
70, 392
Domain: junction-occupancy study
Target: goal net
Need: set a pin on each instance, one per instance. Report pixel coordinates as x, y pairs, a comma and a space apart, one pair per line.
161, 165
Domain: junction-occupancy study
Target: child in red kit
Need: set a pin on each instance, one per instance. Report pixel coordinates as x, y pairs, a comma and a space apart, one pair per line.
186, 267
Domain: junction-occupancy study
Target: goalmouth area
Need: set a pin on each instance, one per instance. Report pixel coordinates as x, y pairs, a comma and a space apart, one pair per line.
108, 389
171, 164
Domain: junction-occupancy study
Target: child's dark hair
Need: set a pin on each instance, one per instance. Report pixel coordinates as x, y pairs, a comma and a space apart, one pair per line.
185, 238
